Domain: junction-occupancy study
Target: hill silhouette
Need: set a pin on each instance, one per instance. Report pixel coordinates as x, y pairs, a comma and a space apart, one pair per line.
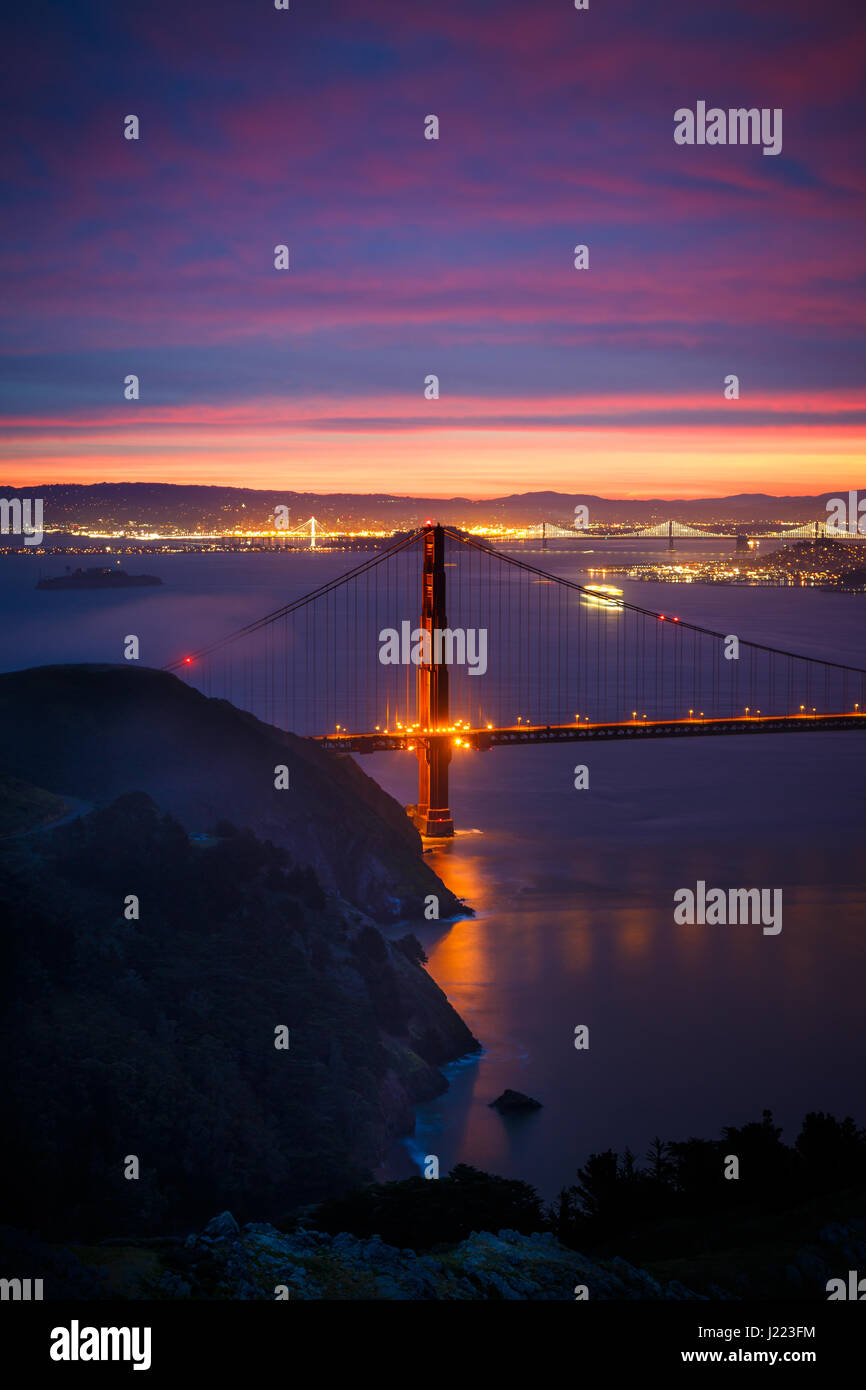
97, 732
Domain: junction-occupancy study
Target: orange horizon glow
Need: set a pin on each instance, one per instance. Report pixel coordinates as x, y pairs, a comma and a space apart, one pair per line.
477, 463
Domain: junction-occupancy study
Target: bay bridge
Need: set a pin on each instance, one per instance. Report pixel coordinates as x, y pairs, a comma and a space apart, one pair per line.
679, 530
313, 533
386, 657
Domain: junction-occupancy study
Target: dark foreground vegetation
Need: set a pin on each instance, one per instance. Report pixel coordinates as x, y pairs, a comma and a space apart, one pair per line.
663, 1230
676, 1201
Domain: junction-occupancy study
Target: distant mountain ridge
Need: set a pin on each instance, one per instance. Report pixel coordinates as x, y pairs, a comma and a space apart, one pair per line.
203, 507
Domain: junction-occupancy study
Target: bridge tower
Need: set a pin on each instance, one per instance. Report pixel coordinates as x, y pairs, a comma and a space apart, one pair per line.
432, 815
671, 545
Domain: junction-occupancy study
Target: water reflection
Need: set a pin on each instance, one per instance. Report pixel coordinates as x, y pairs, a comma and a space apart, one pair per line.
691, 1027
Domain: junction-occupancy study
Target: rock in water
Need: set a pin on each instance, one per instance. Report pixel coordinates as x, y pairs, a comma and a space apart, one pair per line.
514, 1100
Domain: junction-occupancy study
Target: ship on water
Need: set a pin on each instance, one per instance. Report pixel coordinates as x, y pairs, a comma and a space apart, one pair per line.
603, 595
98, 577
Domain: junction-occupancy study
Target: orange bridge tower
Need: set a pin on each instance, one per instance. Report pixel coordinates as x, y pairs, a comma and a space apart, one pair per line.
432, 815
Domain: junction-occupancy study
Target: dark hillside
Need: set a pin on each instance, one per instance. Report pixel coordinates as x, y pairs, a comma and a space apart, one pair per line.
154, 1036
97, 732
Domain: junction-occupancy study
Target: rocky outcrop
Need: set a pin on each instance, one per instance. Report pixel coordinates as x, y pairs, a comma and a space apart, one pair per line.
257, 1261
97, 732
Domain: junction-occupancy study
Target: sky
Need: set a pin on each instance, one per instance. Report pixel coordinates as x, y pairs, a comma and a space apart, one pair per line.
411, 257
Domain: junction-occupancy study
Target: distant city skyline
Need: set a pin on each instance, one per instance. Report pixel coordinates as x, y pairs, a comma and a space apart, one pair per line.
454, 258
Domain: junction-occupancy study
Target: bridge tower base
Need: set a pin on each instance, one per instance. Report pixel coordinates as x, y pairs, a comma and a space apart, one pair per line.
432, 815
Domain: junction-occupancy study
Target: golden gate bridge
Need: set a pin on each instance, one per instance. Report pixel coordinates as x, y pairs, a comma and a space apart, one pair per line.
563, 662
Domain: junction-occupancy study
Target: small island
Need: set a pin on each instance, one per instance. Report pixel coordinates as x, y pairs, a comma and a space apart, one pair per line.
511, 1101
100, 577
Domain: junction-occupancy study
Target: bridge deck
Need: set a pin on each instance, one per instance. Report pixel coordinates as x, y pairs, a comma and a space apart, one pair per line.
483, 739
